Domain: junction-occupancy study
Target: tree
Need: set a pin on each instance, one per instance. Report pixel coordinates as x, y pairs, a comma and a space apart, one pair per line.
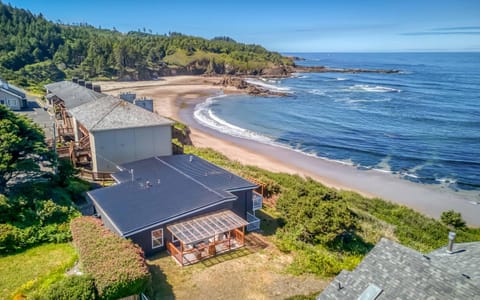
314, 214
22, 148
452, 218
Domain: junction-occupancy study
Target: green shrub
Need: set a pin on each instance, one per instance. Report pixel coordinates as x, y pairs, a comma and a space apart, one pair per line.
453, 219
9, 238
72, 287
48, 212
116, 264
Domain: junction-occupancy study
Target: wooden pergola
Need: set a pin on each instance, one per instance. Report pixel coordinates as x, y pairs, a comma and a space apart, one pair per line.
206, 236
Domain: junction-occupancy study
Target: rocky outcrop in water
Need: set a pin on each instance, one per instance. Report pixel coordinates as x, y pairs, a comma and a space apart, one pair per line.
249, 88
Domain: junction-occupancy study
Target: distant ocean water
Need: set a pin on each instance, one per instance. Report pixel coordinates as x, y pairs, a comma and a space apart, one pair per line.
422, 124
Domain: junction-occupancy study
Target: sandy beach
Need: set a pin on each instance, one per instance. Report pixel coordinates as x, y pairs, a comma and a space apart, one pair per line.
175, 97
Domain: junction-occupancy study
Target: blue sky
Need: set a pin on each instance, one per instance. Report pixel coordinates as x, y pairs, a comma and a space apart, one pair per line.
289, 26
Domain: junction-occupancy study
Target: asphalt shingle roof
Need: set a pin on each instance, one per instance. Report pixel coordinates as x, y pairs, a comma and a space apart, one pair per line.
113, 113
403, 273
72, 94
174, 190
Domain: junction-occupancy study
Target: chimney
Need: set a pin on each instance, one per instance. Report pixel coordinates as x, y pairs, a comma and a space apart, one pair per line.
97, 88
81, 82
75, 79
89, 85
451, 240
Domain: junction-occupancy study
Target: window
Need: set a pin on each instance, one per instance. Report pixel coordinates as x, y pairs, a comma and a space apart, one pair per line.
174, 239
157, 238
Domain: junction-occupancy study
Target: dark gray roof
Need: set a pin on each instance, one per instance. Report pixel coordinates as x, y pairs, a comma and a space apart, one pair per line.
401, 273
175, 191
72, 94
192, 166
113, 113
132, 206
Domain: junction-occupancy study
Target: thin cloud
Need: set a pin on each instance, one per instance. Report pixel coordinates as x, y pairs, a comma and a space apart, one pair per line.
442, 33
457, 28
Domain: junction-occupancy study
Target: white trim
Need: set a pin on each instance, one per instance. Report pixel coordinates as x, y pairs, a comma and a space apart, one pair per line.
135, 231
154, 239
251, 188
174, 239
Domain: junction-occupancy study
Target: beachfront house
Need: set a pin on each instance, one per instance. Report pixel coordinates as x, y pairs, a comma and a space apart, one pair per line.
11, 96
180, 203
393, 271
100, 132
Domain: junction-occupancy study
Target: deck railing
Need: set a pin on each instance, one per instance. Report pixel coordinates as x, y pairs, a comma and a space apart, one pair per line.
257, 201
253, 222
95, 176
175, 252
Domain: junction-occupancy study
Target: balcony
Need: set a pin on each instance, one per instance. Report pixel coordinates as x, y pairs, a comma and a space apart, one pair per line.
257, 201
253, 222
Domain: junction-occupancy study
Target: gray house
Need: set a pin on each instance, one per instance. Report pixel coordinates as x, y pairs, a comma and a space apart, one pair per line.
181, 203
120, 132
11, 96
100, 131
393, 271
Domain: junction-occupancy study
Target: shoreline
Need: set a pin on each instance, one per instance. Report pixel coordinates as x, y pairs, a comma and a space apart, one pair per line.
176, 98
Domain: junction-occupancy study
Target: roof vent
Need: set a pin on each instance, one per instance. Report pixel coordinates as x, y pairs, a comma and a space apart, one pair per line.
190, 158
451, 241
370, 293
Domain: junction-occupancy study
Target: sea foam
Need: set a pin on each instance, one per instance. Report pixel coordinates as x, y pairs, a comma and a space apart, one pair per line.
267, 86
204, 115
375, 89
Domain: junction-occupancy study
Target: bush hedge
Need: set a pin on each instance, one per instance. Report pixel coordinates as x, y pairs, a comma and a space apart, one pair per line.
116, 264
72, 287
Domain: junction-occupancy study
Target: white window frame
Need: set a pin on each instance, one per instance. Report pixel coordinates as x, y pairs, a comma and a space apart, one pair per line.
154, 239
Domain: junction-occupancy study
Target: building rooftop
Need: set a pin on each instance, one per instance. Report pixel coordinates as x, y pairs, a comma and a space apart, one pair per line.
465, 258
15, 91
192, 166
164, 189
392, 271
72, 94
113, 113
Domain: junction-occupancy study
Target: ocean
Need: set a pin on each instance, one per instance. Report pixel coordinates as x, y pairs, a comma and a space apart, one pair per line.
422, 124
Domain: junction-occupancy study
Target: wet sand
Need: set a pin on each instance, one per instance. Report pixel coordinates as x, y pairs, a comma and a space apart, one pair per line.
175, 97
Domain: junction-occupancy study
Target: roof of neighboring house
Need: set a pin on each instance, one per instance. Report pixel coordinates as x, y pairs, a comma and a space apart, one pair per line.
398, 272
164, 189
72, 94
113, 113
465, 258
11, 89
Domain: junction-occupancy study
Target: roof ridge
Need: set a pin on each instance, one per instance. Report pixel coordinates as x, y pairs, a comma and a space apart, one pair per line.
189, 177
106, 113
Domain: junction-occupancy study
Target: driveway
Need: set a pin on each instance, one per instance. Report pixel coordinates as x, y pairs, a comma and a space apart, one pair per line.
39, 116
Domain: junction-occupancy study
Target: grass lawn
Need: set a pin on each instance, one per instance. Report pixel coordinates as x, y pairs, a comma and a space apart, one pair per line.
34, 268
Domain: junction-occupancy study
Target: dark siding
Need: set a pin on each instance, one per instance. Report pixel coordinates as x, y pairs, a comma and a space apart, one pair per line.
243, 203
144, 238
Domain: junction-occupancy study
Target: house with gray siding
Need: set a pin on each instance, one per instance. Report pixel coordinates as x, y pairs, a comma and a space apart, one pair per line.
180, 203
99, 131
11, 96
